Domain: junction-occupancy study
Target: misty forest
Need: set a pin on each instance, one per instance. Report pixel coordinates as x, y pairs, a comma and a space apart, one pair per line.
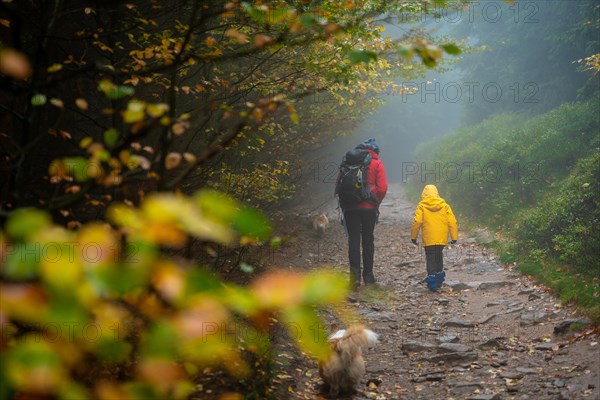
299, 199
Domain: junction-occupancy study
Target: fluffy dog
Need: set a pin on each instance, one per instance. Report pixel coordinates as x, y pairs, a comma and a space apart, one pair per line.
320, 223
344, 366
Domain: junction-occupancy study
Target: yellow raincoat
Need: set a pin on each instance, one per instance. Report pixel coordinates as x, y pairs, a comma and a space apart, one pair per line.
435, 217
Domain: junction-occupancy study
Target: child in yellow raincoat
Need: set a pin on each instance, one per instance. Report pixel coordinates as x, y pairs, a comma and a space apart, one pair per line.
436, 220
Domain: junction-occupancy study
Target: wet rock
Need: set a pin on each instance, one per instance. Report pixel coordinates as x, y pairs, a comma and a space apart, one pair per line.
453, 348
546, 346
459, 323
527, 371
565, 325
533, 296
453, 357
492, 343
457, 286
448, 339
412, 347
381, 316
513, 310
533, 318
487, 318
559, 383
499, 361
525, 292
377, 368
495, 284
464, 388
435, 376
487, 396
495, 303
511, 375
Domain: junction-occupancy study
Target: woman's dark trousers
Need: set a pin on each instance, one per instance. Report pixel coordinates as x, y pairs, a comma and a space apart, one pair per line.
360, 225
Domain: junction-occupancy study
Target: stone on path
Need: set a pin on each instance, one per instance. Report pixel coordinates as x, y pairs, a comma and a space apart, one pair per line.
532, 318
527, 371
546, 346
565, 325
463, 388
511, 375
453, 357
487, 318
459, 323
453, 347
447, 339
459, 286
487, 396
492, 342
412, 346
495, 284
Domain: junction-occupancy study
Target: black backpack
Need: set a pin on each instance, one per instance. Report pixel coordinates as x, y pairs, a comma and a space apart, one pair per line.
352, 186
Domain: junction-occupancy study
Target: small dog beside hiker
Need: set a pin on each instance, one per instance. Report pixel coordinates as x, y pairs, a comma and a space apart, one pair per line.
360, 208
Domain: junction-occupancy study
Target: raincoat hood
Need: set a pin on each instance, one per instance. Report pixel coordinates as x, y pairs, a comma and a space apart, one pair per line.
430, 199
429, 191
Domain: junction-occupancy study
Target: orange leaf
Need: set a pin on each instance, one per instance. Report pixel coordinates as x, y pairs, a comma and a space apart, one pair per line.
15, 64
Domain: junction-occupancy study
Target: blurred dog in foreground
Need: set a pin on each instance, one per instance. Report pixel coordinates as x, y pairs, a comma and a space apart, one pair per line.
345, 366
320, 223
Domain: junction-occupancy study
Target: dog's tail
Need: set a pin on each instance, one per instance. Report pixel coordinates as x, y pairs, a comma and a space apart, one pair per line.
350, 342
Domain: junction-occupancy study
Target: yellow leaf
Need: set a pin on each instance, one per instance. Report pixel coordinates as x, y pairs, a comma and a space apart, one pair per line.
135, 112
157, 110
57, 102
55, 68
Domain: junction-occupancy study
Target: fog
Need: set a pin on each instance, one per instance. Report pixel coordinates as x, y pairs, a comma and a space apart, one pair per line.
526, 64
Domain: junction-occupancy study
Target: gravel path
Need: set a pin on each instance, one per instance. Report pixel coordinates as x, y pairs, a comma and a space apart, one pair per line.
490, 333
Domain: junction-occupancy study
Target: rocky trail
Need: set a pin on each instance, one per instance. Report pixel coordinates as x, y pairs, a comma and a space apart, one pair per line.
490, 333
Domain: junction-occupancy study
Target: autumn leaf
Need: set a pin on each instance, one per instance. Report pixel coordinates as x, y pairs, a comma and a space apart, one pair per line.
172, 160
82, 104
15, 64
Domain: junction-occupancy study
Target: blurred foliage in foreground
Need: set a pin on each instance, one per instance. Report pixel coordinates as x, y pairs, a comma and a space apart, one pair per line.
101, 312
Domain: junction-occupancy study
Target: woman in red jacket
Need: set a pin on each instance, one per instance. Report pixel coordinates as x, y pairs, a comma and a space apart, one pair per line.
360, 219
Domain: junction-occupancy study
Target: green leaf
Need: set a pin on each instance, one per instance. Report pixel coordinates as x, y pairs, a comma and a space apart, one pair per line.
305, 326
38, 99
217, 206
325, 287
251, 222
111, 136
198, 281
78, 167
257, 14
23, 261
160, 341
25, 222
308, 20
112, 351
451, 48
120, 92
358, 56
